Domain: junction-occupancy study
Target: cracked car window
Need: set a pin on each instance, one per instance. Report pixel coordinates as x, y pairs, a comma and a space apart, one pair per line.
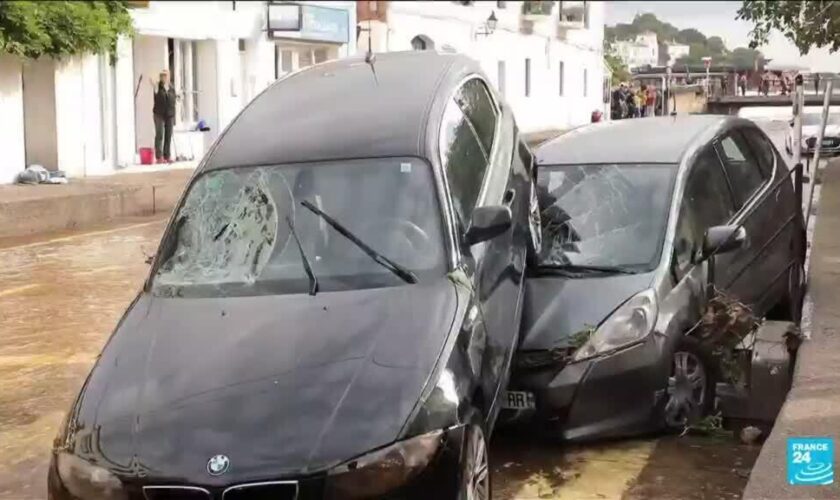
604, 215
232, 235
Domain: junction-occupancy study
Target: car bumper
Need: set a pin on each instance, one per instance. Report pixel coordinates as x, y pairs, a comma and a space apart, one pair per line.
441, 479
613, 395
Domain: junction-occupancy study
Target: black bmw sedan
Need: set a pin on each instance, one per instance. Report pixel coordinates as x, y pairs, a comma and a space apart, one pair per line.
334, 305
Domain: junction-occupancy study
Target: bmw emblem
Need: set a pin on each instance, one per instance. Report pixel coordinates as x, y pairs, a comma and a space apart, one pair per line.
218, 465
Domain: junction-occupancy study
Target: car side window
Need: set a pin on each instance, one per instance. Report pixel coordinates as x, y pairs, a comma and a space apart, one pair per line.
463, 159
764, 151
741, 167
476, 103
706, 202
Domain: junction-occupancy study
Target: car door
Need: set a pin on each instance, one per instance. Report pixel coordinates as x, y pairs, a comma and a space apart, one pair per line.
706, 202
747, 273
476, 158
788, 244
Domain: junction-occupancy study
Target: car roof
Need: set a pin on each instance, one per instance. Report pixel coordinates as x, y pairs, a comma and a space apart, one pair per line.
663, 139
341, 109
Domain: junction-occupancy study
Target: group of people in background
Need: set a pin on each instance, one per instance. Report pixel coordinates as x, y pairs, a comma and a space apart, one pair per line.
636, 101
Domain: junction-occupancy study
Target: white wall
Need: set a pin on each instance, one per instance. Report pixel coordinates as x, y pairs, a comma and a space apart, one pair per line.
11, 125
208, 106
149, 57
125, 84
228, 81
449, 24
39, 112
78, 119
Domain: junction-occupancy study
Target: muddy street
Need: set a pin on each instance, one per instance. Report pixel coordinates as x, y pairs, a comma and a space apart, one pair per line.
61, 296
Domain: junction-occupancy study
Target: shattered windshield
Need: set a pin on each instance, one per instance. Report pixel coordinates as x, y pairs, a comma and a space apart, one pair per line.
235, 233
604, 215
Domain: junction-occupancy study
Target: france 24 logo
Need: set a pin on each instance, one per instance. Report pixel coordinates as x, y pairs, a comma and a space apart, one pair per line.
810, 461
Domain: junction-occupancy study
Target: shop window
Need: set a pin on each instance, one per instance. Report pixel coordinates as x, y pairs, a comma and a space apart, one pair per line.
320, 55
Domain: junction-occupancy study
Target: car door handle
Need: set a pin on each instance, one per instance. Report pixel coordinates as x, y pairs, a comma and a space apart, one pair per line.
510, 195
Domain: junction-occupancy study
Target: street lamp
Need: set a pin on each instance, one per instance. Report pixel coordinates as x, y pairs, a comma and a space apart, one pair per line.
489, 25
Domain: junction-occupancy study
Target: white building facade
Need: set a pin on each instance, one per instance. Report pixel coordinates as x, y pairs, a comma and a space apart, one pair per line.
641, 51
86, 116
677, 50
546, 62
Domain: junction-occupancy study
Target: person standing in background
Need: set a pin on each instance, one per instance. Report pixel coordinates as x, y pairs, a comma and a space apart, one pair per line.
650, 101
164, 114
742, 82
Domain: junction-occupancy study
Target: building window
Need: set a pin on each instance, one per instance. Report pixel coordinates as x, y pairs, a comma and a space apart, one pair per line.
527, 77
500, 82
585, 82
562, 77
320, 55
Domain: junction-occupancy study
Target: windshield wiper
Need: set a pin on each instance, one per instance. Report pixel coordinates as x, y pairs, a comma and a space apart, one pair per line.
313, 281
403, 273
585, 267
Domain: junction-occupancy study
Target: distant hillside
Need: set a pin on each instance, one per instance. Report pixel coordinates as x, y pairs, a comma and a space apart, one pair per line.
700, 46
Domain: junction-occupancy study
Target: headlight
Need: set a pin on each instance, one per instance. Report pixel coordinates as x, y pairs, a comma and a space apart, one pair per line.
384, 470
87, 481
631, 322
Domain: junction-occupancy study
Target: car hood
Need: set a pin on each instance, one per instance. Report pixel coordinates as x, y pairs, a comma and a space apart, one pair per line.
558, 307
282, 385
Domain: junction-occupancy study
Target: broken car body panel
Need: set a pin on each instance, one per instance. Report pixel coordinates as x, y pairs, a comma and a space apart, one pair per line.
622, 390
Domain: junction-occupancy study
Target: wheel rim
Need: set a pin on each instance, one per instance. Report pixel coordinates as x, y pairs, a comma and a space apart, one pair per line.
686, 389
478, 477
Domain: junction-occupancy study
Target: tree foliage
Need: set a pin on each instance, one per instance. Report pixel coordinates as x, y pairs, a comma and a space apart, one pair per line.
699, 45
33, 29
618, 68
815, 23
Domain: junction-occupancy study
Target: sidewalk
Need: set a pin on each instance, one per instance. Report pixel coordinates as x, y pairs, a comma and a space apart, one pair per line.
812, 408
33, 209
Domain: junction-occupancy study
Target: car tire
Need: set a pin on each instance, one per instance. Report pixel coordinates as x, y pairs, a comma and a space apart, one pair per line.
475, 481
690, 393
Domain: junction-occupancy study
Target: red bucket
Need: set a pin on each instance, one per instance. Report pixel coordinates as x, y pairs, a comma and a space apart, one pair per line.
147, 156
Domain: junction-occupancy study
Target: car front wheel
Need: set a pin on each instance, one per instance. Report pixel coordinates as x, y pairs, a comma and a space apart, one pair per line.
691, 385
475, 467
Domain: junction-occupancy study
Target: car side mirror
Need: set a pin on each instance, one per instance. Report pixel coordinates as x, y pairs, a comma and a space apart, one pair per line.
487, 223
723, 239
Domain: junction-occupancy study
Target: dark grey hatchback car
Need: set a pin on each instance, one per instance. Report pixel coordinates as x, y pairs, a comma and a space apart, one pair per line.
642, 221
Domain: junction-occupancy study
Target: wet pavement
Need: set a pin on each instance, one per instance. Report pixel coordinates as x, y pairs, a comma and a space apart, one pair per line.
60, 298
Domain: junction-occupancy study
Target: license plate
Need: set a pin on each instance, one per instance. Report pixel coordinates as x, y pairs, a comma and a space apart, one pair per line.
518, 400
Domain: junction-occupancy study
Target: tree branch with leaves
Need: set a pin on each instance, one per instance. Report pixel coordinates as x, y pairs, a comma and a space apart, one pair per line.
33, 29
808, 24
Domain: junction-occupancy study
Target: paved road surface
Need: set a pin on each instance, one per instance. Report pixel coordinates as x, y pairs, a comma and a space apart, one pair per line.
61, 297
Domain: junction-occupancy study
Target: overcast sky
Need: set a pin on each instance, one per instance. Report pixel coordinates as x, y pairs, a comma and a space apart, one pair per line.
718, 18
